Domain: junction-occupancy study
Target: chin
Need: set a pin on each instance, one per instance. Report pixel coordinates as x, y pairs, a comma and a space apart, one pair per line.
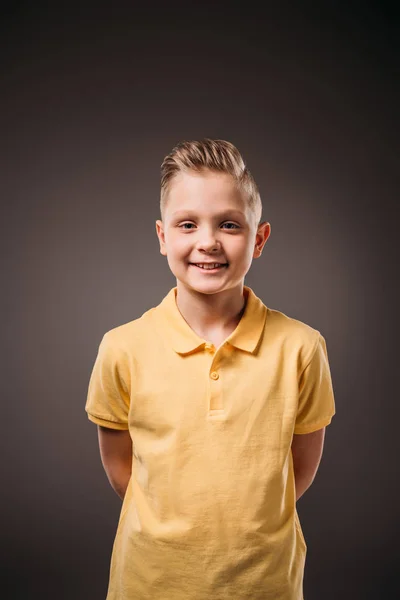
206, 287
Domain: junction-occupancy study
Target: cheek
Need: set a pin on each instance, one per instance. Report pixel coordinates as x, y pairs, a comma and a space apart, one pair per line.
177, 245
241, 250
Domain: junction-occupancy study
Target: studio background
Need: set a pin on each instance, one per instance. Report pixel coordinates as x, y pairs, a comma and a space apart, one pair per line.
92, 99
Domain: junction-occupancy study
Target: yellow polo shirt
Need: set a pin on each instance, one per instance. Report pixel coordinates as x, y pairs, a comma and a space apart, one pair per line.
210, 510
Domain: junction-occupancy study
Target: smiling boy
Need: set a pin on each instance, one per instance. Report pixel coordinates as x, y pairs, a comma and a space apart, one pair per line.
211, 407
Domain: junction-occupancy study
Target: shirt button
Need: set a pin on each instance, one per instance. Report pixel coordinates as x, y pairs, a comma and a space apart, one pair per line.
209, 347
214, 375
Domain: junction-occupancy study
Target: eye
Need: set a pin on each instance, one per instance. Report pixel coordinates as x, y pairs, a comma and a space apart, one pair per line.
232, 225
184, 225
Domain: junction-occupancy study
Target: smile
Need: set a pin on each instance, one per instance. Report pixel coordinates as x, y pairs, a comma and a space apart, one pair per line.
209, 266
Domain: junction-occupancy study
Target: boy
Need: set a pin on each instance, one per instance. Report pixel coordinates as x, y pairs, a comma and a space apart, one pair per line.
211, 408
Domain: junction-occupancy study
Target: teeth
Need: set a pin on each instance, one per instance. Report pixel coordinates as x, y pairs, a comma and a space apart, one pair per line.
208, 266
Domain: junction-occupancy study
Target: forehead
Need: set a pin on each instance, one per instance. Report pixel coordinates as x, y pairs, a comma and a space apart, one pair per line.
205, 191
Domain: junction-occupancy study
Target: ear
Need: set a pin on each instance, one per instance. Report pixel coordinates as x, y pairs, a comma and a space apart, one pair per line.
161, 237
263, 233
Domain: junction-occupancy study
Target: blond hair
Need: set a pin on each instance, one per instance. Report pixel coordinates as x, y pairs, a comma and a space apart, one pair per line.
213, 155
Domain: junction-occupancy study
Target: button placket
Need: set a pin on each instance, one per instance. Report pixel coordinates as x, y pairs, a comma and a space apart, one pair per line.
215, 386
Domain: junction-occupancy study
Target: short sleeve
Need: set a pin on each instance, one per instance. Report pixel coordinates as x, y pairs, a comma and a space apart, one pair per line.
316, 405
108, 397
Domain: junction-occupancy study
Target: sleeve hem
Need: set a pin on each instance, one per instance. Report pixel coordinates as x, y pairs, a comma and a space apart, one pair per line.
301, 429
107, 423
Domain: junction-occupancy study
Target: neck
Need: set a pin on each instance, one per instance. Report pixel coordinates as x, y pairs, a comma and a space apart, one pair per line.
211, 313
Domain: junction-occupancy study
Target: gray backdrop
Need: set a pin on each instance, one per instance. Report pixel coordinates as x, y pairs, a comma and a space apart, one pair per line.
91, 102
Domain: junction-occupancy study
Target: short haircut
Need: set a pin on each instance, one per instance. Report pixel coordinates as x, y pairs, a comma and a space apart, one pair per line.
212, 155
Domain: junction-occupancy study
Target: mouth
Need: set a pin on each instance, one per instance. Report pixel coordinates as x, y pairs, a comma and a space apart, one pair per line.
210, 267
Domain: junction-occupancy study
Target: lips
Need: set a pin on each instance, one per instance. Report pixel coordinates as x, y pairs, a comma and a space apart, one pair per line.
210, 266
210, 262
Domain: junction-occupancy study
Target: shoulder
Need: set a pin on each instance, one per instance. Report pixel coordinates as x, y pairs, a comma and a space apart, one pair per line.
123, 337
292, 333
290, 325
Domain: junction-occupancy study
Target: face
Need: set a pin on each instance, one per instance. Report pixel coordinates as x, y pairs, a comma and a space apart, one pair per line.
207, 222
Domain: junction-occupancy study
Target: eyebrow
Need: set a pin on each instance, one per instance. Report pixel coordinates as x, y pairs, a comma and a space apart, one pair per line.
191, 213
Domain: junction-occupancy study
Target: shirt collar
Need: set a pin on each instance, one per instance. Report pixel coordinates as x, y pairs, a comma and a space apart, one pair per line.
184, 340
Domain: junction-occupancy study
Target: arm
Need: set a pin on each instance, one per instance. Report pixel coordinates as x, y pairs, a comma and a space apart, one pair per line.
116, 456
307, 452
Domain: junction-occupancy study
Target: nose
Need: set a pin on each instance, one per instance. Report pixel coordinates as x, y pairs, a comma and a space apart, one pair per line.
208, 241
